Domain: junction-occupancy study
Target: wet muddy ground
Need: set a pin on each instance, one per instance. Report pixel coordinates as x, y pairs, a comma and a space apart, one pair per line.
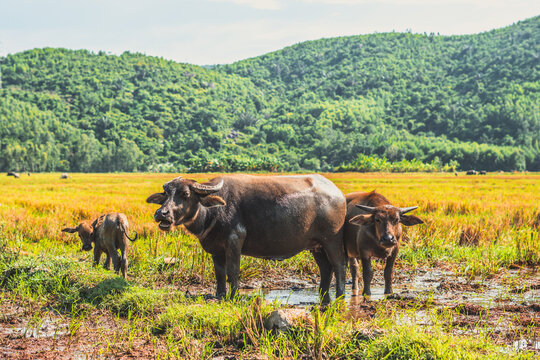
505, 307
31, 333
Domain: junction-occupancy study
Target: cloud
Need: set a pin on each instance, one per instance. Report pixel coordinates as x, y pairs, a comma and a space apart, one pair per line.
480, 3
226, 43
223, 31
257, 4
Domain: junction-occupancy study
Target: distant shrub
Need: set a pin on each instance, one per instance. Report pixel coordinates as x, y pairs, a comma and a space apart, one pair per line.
365, 163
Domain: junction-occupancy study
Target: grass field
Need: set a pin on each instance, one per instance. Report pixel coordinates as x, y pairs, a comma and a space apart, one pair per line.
480, 229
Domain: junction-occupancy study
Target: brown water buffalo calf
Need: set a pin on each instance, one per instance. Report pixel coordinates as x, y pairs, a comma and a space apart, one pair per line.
269, 217
109, 233
373, 229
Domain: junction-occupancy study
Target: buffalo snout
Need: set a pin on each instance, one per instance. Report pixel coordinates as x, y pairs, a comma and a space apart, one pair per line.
164, 218
87, 247
388, 240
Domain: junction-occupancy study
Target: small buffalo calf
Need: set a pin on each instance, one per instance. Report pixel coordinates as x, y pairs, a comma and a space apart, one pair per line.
373, 229
109, 233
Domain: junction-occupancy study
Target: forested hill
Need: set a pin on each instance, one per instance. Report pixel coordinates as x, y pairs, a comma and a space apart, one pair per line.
80, 111
473, 99
482, 87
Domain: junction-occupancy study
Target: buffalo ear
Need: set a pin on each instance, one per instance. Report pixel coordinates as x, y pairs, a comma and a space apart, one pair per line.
410, 220
363, 219
212, 200
70, 230
157, 198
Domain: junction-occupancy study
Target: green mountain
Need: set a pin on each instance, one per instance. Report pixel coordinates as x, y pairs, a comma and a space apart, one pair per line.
472, 99
124, 112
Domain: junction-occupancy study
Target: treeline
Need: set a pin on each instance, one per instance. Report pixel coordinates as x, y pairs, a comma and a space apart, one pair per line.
468, 101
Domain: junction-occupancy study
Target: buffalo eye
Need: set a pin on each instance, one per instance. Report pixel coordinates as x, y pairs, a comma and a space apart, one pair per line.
378, 219
183, 194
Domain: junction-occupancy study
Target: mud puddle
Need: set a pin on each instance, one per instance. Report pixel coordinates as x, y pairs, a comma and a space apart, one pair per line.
442, 287
506, 307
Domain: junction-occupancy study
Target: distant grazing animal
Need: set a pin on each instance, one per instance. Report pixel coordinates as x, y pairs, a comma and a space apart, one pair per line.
64, 176
472, 172
483, 172
373, 229
109, 233
14, 174
268, 217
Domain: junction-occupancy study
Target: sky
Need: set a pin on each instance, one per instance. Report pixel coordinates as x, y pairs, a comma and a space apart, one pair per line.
206, 32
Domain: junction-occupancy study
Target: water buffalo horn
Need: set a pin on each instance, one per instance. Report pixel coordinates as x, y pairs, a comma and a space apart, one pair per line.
407, 209
368, 209
207, 189
168, 182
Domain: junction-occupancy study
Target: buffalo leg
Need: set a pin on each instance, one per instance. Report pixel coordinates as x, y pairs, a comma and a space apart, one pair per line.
97, 255
107, 264
388, 270
123, 254
115, 258
124, 262
353, 265
232, 253
233, 272
325, 268
221, 275
338, 260
367, 275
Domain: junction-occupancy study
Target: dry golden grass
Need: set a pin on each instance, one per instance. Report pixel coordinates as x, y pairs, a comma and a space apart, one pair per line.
500, 209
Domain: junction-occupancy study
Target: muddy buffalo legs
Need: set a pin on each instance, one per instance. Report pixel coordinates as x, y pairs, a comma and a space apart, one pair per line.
233, 252
338, 260
388, 270
367, 276
353, 265
331, 260
97, 255
325, 269
221, 275
107, 264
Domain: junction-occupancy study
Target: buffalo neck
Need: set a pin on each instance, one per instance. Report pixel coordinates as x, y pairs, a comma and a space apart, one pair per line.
201, 222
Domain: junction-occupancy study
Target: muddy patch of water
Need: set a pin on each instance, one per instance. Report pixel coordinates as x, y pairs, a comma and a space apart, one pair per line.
440, 286
506, 307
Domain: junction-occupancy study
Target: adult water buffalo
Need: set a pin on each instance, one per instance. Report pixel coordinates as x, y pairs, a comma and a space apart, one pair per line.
269, 217
373, 229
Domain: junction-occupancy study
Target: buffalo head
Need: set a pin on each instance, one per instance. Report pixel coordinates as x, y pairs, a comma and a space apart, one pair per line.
86, 233
181, 200
387, 220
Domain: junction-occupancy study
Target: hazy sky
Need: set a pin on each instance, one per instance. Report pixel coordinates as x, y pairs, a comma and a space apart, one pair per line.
222, 31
